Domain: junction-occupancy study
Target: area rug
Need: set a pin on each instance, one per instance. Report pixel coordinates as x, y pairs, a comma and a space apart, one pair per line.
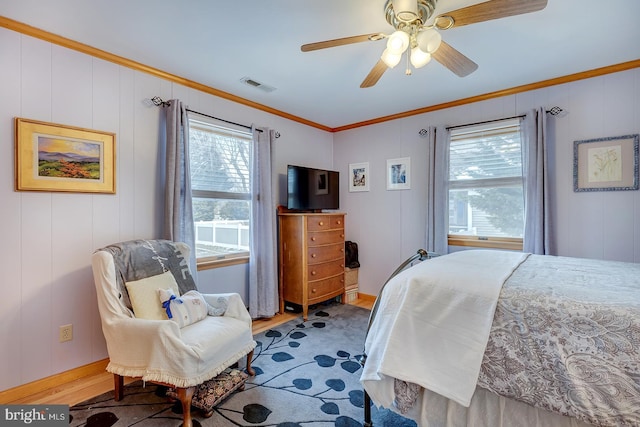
307, 375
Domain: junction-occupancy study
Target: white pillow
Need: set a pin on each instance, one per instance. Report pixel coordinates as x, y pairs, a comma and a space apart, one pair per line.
143, 294
186, 309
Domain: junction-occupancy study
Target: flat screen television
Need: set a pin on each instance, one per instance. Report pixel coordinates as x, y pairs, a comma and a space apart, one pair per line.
310, 189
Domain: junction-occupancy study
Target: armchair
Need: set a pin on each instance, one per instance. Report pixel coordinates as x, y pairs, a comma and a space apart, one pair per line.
160, 351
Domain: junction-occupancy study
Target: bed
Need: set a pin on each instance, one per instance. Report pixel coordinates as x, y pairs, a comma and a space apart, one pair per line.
497, 338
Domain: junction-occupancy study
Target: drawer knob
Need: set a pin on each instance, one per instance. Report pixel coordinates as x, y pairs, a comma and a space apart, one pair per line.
342, 265
313, 291
313, 255
321, 223
341, 249
342, 235
339, 222
313, 273
313, 239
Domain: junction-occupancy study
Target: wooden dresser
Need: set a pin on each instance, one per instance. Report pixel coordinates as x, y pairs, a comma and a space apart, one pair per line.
311, 258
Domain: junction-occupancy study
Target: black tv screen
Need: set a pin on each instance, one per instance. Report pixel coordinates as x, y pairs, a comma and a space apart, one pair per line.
312, 189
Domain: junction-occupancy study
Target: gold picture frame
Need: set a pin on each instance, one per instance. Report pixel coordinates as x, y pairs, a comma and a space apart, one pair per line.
54, 157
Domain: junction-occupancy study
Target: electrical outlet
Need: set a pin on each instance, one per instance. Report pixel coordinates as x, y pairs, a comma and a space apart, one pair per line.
66, 333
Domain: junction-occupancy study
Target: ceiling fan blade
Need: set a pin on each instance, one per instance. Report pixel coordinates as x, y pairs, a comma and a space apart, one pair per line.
374, 75
493, 9
454, 60
340, 42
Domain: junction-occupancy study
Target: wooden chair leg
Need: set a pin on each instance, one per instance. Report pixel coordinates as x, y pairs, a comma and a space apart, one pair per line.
118, 382
185, 395
250, 370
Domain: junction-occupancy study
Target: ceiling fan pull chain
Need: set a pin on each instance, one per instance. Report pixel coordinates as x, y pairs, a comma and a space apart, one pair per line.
408, 70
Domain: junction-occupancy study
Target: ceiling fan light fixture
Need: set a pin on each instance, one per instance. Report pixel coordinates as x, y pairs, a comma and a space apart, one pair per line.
429, 40
405, 10
391, 59
416, 28
419, 58
398, 42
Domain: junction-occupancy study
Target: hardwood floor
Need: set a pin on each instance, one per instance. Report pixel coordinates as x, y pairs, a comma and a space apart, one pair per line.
81, 389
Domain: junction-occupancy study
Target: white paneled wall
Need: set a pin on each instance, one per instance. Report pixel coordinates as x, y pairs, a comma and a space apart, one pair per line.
602, 225
48, 238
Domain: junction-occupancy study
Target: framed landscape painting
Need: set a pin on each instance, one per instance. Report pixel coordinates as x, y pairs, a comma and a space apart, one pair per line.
53, 157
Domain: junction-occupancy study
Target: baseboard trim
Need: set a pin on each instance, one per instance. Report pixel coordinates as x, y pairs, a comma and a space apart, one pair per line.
22, 391
367, 297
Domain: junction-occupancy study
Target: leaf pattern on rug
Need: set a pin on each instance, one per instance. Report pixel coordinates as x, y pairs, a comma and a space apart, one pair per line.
280, 372
307, 375
256, 413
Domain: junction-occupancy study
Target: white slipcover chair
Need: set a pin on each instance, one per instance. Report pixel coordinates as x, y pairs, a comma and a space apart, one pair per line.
158, 350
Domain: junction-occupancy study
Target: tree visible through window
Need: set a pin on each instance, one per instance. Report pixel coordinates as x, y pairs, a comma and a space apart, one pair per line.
220, 160
486, 195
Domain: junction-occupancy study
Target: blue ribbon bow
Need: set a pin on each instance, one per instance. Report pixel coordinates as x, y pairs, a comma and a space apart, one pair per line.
167, 305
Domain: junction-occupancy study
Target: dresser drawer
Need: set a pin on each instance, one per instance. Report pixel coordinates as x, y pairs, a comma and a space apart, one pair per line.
319, 254
317, 238
326, 269
324, 287
324, 222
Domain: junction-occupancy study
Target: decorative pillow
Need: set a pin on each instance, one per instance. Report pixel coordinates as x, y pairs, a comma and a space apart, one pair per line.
184, 310
143, 294
137, 259
219, 307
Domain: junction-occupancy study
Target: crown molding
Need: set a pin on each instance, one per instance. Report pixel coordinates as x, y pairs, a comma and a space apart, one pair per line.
98, 53
107, 56
500, 93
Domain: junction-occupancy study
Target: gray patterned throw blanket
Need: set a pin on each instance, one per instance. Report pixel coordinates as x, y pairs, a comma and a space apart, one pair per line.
139, 259
566, 338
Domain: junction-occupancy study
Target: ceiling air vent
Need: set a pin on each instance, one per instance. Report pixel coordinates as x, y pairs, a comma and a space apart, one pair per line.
251, 82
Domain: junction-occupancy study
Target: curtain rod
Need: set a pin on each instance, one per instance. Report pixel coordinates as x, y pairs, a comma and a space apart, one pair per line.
157, 101
485, 121
554, 111
221, 120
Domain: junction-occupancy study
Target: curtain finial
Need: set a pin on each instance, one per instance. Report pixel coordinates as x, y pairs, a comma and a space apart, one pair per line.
157, 101
557, 111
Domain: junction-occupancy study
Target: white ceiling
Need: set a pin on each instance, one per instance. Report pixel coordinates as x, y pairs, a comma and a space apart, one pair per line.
217, 43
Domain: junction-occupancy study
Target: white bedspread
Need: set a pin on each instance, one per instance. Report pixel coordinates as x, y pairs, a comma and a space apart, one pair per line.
433, 324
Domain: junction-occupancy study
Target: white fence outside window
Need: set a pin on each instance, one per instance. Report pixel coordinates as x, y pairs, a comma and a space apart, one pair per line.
228, 235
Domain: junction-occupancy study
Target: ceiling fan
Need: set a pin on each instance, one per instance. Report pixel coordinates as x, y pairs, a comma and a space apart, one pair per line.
417, 33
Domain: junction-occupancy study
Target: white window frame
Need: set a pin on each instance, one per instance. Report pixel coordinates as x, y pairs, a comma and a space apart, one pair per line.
472, 131
239, 257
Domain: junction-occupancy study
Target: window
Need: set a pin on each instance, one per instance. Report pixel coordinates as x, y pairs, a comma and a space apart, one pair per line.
220, 161
486, 198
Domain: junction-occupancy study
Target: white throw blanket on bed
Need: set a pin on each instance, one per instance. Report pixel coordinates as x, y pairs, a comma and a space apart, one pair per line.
433, 324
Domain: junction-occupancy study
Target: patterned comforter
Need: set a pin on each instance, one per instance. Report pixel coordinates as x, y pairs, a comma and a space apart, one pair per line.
566, 338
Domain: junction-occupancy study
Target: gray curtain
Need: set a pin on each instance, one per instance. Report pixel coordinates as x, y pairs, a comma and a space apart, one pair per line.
263, 281
178, 210
437, 191
536, 207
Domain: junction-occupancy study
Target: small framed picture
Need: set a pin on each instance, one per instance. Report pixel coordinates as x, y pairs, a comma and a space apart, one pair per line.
606, 164
358, 177
399, 174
